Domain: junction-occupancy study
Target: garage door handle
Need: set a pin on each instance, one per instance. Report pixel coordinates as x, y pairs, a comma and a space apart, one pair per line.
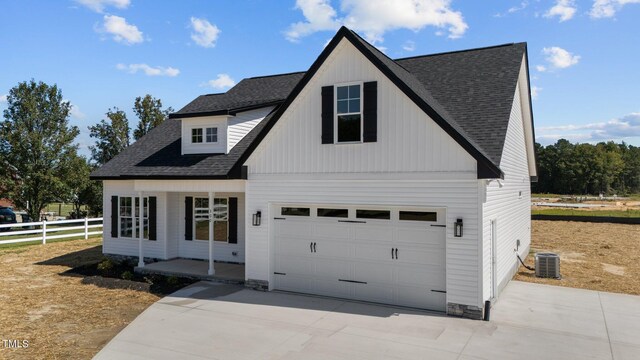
314, 247
392, 254
311, 246
396, 253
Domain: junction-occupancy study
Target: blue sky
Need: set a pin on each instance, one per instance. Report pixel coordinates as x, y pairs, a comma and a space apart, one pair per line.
583, 55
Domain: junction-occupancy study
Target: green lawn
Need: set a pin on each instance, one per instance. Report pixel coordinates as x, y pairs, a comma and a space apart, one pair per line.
577, 212
61, 209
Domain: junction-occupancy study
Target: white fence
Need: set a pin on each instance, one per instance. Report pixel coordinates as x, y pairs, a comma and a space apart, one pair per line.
44, 228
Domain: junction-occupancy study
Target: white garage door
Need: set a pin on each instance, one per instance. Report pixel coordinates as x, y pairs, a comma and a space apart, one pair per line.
378, 254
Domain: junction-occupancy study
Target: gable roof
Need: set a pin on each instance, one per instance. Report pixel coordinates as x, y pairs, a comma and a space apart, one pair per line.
468, 93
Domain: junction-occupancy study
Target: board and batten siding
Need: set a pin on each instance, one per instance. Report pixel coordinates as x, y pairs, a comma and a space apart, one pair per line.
458, 197
509, 204
129, 246
199, 249
407, 139
242, 123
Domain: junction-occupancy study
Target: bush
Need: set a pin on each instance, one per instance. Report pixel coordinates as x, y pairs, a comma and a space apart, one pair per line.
173, 280
106, 265
127, 275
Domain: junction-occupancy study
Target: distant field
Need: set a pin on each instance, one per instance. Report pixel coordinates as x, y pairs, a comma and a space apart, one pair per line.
630, 197
574, 212
61, 209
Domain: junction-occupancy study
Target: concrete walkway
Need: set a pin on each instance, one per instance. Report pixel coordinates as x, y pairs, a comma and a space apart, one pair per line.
530, 321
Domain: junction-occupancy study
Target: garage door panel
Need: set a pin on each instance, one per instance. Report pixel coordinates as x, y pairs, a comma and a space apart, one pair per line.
332, 249
331, 269
369, 271
294, 265
421, 298
294, 246
381, 293
295, 228
294, 283
372, 233
372, 252
331, 230
428, 276
421, 256
423, 235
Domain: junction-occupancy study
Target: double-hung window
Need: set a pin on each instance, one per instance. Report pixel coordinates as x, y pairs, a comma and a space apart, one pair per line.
220, 219
348, 113
130, 217
212, 135
196, 135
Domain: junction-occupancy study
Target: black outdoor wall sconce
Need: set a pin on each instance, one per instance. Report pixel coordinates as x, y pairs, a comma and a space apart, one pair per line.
457, 229
257, 218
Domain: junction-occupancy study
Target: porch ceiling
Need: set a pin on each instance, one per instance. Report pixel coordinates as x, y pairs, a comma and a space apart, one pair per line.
190, 185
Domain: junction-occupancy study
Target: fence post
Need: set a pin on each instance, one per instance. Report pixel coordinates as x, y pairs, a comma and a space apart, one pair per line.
86, 228
44, 231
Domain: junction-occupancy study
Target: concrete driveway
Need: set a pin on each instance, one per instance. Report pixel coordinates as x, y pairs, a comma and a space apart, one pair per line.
530, 321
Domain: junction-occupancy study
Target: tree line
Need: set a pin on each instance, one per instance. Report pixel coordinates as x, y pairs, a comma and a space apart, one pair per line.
584, 169
39, 159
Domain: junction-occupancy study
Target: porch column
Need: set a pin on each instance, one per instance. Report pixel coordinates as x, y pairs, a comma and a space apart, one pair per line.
141, 227
211, 269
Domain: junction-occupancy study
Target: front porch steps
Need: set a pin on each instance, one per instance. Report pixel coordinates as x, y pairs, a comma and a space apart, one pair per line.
196, 269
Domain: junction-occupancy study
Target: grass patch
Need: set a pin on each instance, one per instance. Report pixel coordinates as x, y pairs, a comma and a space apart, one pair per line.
39, 242
629, 213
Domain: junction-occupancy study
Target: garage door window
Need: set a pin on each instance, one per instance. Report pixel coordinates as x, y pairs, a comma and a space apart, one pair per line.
295, 211
419, 215
337, 213
373, 214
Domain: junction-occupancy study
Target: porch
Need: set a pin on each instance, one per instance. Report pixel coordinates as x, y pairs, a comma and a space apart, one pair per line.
224, 272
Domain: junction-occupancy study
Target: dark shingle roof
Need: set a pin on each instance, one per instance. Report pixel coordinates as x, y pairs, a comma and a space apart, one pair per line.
468, 93
248, 93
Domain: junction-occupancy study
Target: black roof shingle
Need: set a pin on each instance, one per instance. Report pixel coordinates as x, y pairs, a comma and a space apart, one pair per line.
469, 93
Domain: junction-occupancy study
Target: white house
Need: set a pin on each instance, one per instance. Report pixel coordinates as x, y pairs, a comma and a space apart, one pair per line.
403, 182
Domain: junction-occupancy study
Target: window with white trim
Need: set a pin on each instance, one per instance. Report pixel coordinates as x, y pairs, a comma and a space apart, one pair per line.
196, 135
211, 135
220, 219
348, 113
129, 217
204, 135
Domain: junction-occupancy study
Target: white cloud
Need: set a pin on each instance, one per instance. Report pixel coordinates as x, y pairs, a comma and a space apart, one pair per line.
375, 17
514, 9
627, 126
3, 99
120, 30
99, 5
222, 81
559, 58
541, 68
564, 9
535, 91
608, 8
75, 111
409, 46
204, 33
149, 70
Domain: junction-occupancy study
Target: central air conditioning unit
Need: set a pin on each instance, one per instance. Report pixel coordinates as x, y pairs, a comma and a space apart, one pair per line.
547, 265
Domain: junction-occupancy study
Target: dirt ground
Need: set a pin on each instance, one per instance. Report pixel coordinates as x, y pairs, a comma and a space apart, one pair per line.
59, 316
596, 256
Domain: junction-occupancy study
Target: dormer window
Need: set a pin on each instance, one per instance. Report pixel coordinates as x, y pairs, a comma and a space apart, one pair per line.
208, 135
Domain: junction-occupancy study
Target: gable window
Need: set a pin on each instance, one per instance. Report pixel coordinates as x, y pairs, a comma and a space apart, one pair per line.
348, 113
196, 136
212, 135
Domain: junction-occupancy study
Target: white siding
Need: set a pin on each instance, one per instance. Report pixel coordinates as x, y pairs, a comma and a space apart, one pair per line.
199, 249
511, 210
240, 124
219, 147
408, 140
129, 246
458, 197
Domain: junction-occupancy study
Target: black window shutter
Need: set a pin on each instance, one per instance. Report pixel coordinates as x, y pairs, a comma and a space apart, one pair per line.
370, 112
152, 218
188, 218
114, 216
327, 114
233, 220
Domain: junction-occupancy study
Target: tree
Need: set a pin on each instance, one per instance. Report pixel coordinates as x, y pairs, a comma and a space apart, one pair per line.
149, 111
36, 145
111, 136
